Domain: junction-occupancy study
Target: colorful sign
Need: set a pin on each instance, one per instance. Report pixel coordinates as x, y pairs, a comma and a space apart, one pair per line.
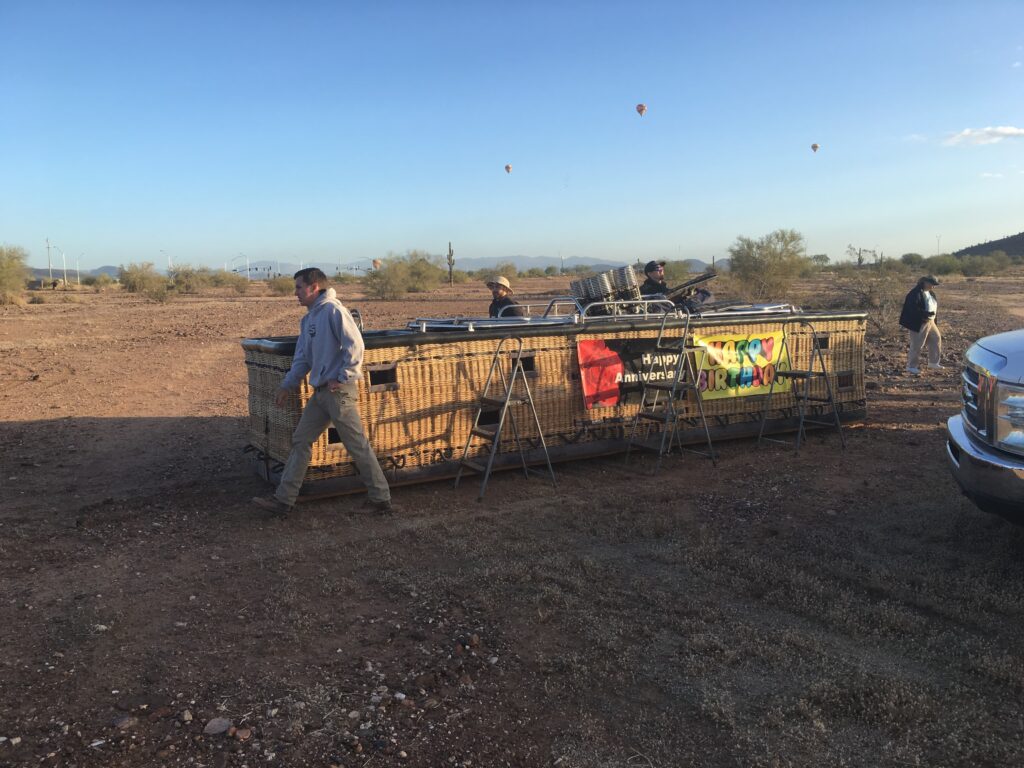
740, 366
612, 370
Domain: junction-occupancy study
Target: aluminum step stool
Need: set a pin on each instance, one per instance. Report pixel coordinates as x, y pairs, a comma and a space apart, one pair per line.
805, 401
506, 398
664, 385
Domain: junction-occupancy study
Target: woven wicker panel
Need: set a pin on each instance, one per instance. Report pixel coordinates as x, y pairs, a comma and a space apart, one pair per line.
425, 415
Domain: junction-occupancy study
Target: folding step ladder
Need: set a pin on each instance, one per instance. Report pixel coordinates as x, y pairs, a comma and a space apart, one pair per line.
669, 378
506, 398
801, 381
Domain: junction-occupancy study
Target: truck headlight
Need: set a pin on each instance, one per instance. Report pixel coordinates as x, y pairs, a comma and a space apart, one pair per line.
1009, 401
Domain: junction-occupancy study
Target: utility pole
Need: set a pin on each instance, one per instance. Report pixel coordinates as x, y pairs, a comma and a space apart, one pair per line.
451, 265
78, 267
49, 264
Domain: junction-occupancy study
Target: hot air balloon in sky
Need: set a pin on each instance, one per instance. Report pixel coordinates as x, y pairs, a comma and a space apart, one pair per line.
508, 168
815, 147
377, 264
641, 109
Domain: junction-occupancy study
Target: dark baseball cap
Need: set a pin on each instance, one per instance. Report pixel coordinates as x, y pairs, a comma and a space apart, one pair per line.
653, 265
930, 279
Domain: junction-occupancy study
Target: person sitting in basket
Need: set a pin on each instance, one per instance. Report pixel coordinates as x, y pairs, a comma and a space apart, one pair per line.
655, 287
501, 290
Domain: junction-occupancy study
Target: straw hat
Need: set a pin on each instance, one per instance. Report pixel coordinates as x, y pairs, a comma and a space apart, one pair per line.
502, 281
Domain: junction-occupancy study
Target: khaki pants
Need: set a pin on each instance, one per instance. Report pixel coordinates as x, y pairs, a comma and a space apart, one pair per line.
340, 408
928, 335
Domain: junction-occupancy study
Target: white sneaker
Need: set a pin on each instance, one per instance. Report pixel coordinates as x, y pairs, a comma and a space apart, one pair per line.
914, 371
937, 367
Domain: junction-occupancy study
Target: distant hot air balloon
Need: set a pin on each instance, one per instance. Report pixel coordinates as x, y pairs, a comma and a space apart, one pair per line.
814, 147
377, 264
508, 168
641, 109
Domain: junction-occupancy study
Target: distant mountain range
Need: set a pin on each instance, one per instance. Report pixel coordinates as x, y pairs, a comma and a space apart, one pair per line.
1011, 246
262, 269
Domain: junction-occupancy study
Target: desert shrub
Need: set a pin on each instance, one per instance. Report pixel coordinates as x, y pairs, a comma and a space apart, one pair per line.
281, 285
186, 279
768, 266
913, 260
458, 276
973, 266
535, 272
943, 264
424, 273
141, 278
37, 298
550, 271
876, 292
389, 282
102, 282
507, 269
13, 273
414, 272
222, 278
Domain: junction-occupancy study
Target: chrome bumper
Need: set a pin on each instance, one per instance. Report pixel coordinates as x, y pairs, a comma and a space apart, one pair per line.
991, 479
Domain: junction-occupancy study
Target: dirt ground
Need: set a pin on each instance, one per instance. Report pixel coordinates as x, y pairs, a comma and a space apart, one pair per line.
823, 609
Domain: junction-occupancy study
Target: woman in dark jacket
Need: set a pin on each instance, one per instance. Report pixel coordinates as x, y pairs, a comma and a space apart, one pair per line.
918, 317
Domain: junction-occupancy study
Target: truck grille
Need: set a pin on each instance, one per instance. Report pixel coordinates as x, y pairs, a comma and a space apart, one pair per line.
974, 391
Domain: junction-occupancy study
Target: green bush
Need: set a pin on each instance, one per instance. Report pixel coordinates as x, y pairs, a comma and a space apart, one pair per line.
141, 278
222, 278
535, 272
13, 273
913, 260
186, 279
414, 272
943, 264
281, 285
389, 282
101, 282
768, 266
550, 271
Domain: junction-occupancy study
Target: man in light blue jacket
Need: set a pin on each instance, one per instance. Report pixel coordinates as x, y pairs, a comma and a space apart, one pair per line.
330, 349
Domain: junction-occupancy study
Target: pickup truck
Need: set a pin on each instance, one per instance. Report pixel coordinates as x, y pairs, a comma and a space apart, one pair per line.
985, 441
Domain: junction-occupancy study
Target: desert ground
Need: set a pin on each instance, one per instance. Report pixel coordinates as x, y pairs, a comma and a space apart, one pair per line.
826, 608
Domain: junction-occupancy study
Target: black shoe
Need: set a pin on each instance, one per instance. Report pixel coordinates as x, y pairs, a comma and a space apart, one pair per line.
272, 504
384, 507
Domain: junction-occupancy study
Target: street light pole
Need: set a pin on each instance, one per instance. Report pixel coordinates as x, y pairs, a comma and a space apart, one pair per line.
938, 244
78, 267
169, 264
49, 264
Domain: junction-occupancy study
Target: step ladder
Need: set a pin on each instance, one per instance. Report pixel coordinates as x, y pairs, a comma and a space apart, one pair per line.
506, 395
801, 379
667, 381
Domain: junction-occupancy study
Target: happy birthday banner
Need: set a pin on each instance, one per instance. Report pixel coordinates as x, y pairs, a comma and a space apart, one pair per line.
735, 365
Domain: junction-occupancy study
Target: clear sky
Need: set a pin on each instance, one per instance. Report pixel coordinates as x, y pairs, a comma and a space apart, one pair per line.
201, 129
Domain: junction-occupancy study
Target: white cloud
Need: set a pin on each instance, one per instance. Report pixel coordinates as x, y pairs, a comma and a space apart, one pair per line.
915, 138
988, 175
990, 135
1016, 64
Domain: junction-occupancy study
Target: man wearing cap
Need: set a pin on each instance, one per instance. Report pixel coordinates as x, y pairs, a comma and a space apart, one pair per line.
918, 317
501, 290
655, 282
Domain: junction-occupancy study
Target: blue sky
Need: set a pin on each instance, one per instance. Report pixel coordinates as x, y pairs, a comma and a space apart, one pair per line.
334, 131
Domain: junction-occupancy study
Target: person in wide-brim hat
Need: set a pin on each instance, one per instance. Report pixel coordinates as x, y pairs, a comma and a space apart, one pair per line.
501, 290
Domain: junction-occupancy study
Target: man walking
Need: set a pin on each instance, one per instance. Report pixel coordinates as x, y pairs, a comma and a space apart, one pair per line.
918, 317
330, 349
